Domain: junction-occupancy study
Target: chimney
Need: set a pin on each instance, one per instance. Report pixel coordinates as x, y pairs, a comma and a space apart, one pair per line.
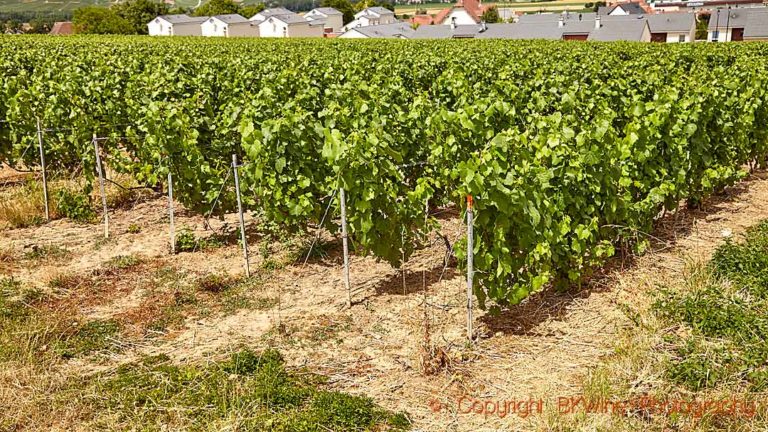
579, 17
561, 22
453, 23
597, 22
483, 26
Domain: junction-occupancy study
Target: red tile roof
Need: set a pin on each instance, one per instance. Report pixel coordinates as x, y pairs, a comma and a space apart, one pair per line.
62, 28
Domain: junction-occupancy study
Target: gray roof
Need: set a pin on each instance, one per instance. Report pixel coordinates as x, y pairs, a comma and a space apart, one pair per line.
441, 31
757, 24
619, 30
374, 11
274, 11
379, 10
182, 19
522, 31
291, 18
555, 17
326, 11
671, 22
631, 8
721, 18
231, 18
395, 30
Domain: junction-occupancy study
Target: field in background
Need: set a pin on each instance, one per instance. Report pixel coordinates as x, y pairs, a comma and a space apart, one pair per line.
64, 6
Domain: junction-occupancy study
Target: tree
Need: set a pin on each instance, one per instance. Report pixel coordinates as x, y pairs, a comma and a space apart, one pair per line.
701, 26
99, 20
491, 15
139, 12
598, 5
217, 7
365, 4
40, 25
343, 6
251, 10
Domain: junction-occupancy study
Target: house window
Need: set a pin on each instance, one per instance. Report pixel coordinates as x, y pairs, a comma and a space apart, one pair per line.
681, 38
715, 36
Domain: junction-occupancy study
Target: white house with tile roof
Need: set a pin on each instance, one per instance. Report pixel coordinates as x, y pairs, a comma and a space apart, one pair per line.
231, 25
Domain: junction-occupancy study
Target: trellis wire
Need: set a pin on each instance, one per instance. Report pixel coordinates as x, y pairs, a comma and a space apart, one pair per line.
317, 235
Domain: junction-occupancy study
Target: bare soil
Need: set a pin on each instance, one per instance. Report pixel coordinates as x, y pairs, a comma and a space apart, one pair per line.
541, 349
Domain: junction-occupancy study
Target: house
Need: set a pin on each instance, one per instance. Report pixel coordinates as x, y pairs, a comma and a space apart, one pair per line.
464, 12
228, 26
176, 25
757, 25
622, 9
622, 29
277, 23
726, 25
331, 19
398, 30
672, 27
62, 28
371, 16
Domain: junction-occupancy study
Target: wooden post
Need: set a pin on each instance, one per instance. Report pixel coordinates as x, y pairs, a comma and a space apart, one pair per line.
470, 264
42, 165
170, 213
344, 241
240, 212
100, 171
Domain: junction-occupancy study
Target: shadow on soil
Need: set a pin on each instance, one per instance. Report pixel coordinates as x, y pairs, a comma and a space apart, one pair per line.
524, 318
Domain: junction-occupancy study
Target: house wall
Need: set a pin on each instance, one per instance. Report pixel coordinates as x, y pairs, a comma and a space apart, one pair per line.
273, 28
335, 22
646, 37
462, 17
159, 27
674, 37
212, 27
305, 30
187, 29
243, 30
723, 37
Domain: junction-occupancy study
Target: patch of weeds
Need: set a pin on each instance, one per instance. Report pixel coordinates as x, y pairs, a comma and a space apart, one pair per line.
133, 229
172, 313
725, 313
7, 256
31, 335
249, 391
123, 262
66, 282
23, 207
102, 241
46, 251
87, 338
75, 206
325, 329
215, 283
187, 241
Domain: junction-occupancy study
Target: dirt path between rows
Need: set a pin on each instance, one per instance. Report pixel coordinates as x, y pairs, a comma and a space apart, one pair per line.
539, 350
